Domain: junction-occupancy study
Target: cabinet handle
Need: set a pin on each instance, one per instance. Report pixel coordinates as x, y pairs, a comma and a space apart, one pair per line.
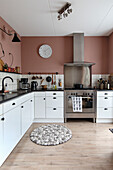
31, 100
54, 108
54, 97
105, 93
44, 98
22, 106
106, 98
13, 103
54, 93
2, 119
105, 108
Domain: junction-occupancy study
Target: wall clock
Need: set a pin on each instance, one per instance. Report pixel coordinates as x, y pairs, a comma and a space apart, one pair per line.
45, 51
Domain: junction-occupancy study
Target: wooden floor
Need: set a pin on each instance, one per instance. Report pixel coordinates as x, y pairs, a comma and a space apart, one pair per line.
91, 148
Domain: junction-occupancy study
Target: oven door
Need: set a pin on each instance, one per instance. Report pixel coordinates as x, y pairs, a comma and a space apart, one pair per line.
88, 104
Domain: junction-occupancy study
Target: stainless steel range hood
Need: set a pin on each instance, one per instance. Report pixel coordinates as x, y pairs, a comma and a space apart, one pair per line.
78, 51
80, 71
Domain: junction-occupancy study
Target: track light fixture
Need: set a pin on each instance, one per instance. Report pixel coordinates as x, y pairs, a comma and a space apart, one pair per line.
15, 38
64, 11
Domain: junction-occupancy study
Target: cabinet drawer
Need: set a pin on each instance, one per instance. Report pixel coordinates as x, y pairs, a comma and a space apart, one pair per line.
54, 102
104, 102
105, 93
40, 94
10, 105
54, 113
104, 112
54, 93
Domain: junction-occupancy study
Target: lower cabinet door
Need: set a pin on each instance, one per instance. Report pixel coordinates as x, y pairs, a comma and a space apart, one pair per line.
26, 116
40, 107
1, 140
105, 113
32, 109
54, 113
12, 132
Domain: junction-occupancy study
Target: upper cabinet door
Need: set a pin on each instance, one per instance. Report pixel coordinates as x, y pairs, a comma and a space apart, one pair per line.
40, 107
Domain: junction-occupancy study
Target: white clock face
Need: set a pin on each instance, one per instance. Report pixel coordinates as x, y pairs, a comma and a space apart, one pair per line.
45, 51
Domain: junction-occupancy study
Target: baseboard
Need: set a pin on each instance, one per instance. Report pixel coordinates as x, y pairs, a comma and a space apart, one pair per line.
104, 120
48, 121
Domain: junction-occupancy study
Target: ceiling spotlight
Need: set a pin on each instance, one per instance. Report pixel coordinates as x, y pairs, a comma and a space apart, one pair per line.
64, 14
63, 11
69, 11
59, 17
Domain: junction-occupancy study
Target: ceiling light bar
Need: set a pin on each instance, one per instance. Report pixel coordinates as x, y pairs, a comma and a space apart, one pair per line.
64, 11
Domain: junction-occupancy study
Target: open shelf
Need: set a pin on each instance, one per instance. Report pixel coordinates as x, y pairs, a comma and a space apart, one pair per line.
9, 72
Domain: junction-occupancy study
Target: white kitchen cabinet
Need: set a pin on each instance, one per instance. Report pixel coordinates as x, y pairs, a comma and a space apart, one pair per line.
25, 116
54, 113
12, 133
1, 140
40, 105
14, 122
49, 107
54, 102
104, 101
104, 107
54, 105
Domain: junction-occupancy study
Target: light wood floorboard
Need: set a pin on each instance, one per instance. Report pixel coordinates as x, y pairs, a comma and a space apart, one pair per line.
91, 148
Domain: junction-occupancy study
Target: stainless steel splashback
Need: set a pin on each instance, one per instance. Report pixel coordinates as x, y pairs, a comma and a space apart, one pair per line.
77, 75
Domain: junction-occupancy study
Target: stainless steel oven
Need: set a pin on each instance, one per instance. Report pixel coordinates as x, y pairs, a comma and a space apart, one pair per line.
88, 103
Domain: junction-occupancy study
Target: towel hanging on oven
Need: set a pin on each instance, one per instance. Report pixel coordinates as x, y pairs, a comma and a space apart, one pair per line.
77, 104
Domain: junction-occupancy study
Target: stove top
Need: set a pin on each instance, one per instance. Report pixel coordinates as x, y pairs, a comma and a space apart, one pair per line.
79, 89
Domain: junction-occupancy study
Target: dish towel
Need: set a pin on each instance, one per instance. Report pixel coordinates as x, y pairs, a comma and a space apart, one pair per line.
77, 104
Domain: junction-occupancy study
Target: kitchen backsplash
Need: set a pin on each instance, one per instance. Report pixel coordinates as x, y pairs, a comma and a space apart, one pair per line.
16, 77
10, 85
59, 76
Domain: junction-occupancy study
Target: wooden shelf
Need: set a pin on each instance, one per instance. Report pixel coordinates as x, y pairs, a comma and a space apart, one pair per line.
9, 72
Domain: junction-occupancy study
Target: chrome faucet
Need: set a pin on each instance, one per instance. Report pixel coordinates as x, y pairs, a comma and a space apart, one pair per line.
3, 82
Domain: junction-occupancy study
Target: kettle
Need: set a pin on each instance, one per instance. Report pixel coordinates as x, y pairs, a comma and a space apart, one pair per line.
34, 85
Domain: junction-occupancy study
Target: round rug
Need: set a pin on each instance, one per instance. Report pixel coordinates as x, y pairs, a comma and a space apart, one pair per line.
50, 134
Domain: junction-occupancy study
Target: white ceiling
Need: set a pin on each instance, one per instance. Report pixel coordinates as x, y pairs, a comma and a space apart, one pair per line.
39, 17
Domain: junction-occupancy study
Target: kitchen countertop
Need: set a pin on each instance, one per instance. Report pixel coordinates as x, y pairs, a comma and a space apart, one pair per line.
104, 90
18, 93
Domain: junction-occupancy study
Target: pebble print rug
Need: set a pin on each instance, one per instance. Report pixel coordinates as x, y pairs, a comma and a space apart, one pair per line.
50, 134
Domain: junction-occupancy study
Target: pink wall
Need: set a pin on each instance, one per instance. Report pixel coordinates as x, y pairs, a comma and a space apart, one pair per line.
9, 46
110, 65
96, 50
32, 62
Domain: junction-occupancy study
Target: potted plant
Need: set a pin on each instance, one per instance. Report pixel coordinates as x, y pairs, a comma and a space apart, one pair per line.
5, 67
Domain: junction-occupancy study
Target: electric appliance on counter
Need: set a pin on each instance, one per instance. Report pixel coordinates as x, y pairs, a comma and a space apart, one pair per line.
23, 84
34, 85
78, 82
